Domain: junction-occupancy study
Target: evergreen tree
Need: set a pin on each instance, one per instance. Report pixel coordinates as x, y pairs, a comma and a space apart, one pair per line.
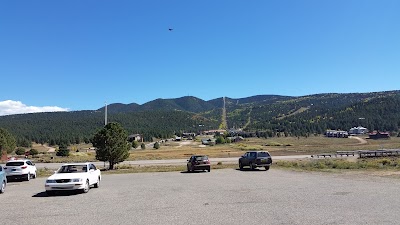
111, 144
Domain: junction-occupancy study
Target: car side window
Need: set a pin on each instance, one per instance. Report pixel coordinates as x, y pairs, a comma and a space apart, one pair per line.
29, 163
253, 155
92, 167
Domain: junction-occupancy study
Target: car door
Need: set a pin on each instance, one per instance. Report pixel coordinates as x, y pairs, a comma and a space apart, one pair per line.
2, 174
252, 157
92, 174
245, 159
31, 167
189, 163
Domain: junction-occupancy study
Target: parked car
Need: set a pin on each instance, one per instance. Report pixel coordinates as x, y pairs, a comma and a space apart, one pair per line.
254, 159
198, 162
20, 169
75, 177
3, 180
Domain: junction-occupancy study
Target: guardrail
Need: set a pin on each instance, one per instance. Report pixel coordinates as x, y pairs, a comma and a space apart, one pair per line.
361, 153
378, 153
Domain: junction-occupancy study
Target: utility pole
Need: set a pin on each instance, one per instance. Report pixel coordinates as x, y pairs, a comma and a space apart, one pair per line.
105, 115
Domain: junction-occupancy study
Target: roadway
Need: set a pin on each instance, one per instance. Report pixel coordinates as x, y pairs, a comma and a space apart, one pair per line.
225, 196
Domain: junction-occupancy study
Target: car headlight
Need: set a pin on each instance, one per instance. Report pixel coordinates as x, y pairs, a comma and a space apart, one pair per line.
77, 180
50, 181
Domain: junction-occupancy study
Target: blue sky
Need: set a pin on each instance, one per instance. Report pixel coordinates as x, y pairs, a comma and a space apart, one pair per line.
78, 54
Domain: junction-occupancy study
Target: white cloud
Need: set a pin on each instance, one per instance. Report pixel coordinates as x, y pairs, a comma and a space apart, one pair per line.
10, 107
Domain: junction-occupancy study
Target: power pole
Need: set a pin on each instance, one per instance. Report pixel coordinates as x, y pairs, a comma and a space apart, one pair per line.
105, 115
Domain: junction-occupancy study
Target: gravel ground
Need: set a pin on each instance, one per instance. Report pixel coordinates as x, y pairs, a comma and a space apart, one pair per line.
224, 196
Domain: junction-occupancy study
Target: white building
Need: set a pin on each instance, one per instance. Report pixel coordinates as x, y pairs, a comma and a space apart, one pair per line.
358, 130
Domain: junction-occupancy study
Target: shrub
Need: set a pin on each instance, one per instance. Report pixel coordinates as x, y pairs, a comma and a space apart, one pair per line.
156, 145
135, 144
63, 151
143, 146
33, 152
20, 151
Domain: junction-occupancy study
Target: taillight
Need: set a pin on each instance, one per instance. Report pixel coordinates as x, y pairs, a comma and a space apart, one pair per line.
24, 167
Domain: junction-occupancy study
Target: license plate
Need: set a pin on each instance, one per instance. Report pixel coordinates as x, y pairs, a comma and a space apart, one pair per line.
14, 170
264, 160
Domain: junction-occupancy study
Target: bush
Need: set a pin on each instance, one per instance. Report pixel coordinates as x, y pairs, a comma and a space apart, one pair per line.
33, 152
220, 140
63, 151
20, 151
135, 144
156, 145
143, 146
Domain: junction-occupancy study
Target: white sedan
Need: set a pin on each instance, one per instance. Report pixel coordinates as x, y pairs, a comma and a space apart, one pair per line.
74, 176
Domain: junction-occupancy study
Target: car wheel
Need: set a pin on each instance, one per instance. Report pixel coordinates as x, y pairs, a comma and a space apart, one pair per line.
3, 187
209, 169
34, 175
28, 177
240, 165
267, 168
97, 185
86, 188
188, 169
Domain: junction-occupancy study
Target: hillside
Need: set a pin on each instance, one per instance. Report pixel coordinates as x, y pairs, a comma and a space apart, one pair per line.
268, 115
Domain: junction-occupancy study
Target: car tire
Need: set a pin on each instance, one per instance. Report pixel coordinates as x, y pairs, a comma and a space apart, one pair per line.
3, 187
28, 177
266, 168
188, 169
209, 169
34, 175
97, 184
240, 166
86, 188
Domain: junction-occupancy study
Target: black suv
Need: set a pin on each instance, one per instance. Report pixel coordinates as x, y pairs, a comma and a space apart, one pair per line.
255, 159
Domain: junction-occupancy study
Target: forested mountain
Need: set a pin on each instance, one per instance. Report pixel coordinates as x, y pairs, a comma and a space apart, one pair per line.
268, 115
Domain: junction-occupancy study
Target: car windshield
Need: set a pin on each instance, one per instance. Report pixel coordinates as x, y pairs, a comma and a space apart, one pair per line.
73, 169
200, 158
263, 154
15, 164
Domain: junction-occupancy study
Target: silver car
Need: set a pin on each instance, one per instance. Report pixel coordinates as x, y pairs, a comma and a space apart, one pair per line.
3, 180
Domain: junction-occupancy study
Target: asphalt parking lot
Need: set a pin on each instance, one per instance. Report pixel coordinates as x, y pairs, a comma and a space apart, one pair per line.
225, 196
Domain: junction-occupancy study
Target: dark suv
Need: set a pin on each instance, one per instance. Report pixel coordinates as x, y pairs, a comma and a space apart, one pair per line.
255, 159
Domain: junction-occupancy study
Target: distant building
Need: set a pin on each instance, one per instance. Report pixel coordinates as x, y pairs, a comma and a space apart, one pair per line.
134, 137
209, 141
236, 138
336, 133
213, 132
358, 130
189, 135
379, 135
